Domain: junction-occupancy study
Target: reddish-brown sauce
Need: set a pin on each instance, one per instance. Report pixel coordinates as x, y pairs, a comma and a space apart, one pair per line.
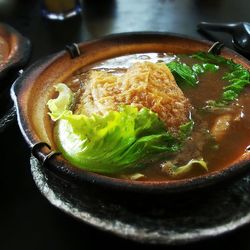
217, 153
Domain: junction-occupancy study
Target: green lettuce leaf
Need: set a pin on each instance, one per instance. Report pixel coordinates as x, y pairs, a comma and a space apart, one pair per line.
205, 67
188, 76
62, 103
186, 130
175, 171
183, 74
113, 142
238, 78
211, 58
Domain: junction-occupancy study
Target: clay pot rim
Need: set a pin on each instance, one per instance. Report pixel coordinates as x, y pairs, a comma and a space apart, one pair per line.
61, 166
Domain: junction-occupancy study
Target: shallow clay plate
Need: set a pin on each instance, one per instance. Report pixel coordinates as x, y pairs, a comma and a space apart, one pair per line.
34, 88
187, 218
14, 49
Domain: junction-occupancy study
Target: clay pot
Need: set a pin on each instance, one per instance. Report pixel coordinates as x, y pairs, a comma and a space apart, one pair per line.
14, 49
35, 87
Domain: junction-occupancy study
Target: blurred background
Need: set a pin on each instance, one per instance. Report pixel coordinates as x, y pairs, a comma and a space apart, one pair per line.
99, 18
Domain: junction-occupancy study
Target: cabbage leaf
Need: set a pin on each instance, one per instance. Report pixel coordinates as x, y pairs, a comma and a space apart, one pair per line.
188, 76
176, 171
238, 78
112, 142
183, 74
62, 103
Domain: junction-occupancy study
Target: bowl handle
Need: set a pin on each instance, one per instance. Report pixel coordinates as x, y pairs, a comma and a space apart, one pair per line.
7, 119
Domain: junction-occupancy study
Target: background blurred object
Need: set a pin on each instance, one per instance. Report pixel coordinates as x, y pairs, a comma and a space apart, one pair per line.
60, 9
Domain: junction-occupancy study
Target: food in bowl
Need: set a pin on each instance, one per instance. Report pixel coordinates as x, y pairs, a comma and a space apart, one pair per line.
153, 116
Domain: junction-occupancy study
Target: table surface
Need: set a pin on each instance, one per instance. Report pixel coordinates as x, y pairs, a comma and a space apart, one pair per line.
28, 221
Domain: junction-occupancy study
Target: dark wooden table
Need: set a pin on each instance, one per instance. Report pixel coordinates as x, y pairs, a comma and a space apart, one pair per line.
28, 221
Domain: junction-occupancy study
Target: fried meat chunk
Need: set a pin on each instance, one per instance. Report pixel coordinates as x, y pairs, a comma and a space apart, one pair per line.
146, 84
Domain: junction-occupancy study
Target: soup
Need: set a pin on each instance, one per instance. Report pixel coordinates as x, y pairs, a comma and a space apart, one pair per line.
201, 102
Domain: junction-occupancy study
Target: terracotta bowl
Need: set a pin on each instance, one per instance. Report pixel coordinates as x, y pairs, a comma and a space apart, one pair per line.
34, 88
15, 49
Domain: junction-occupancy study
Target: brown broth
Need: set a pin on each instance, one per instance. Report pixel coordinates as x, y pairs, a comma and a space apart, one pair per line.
218, 154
